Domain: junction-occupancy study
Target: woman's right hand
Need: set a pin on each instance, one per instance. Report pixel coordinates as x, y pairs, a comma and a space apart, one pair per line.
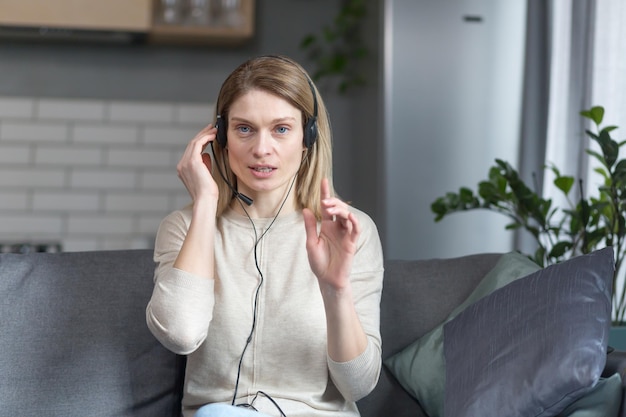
194, 167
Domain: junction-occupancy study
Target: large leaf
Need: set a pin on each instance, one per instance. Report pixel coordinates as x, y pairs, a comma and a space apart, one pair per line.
564, 184
610, 148
596, 114
559, 249
619, 172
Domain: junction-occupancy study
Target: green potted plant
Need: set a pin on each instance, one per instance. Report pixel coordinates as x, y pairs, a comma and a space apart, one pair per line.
339, 48
585, 224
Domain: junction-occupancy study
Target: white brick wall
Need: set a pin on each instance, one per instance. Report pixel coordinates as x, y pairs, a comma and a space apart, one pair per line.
91, 174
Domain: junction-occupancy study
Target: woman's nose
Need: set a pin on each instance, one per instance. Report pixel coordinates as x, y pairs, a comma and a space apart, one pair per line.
262, 144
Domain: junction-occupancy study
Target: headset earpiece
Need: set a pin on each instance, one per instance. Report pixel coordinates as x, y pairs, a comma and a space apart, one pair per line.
310, 129
220, 137
310, 132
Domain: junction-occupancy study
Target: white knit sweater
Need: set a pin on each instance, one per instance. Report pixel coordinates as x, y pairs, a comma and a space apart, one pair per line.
209, 319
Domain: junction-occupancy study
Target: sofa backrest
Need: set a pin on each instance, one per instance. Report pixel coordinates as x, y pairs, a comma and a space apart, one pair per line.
73, 338
417, 296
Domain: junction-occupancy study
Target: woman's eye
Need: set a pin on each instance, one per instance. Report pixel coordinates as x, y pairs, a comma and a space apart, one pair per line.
243, 129
282, 129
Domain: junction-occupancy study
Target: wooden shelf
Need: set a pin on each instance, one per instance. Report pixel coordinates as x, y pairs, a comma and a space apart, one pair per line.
80, 20
110, 15
210, 34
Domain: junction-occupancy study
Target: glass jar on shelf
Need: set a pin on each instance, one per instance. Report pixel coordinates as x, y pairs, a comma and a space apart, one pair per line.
229, 13
199, 12
171, 12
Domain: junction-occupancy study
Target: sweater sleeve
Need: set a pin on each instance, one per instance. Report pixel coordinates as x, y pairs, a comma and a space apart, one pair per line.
359, 376
181, 307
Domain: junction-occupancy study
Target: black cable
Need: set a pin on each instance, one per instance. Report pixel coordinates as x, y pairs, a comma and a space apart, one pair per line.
251, 405
258, 290
244, 199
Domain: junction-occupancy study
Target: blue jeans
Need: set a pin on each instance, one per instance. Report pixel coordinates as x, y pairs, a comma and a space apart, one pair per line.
225, 410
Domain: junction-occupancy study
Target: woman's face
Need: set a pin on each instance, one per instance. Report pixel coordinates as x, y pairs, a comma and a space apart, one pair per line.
265, 144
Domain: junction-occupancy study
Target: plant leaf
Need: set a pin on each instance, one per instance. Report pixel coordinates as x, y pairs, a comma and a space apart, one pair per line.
596, 114
564, 184
559, 249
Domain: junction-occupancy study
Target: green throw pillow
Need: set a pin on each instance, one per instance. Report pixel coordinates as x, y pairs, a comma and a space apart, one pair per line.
420, 367
604, 400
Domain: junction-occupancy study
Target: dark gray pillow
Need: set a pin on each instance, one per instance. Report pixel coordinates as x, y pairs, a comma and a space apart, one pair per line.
534, 346
74, 339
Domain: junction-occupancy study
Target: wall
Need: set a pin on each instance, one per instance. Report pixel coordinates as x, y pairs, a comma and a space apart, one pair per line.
90, 174
456, 95
154, 72
176, 74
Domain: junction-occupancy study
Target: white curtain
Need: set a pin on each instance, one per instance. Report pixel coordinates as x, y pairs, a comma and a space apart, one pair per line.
559, 149
557, 85
608, 87
609, 62
587, 68
570, 74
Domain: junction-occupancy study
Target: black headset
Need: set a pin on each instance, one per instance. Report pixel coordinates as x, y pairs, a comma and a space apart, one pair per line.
310, 127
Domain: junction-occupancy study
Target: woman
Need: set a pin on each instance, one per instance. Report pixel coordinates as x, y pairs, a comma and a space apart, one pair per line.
269, 283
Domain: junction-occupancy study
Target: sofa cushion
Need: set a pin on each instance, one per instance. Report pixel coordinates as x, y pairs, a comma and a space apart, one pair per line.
74, 339
534, 346
420, 367
604, 400
424, 292
418, 295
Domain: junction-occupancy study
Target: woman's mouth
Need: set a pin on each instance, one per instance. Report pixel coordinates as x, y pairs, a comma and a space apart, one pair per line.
262, 171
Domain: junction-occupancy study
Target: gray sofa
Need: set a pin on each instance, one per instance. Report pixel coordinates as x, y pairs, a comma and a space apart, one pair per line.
73, 339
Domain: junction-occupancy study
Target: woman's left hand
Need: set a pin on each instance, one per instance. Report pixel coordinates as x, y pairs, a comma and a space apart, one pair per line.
332, 250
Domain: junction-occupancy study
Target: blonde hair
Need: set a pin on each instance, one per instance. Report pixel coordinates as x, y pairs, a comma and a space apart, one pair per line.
284, 78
